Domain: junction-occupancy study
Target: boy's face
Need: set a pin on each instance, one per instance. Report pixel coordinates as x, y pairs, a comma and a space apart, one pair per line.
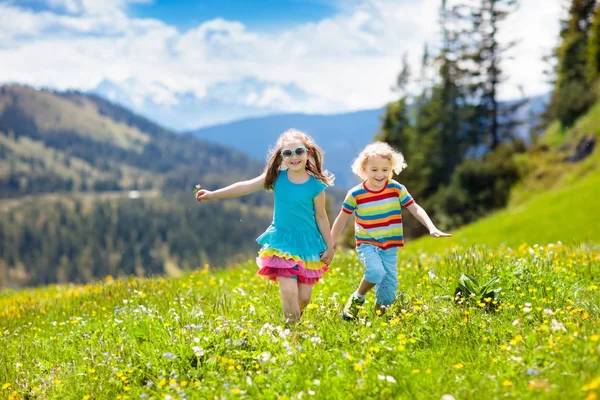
378, 171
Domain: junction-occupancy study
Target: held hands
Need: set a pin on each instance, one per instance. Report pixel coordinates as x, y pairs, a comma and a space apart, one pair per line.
327, 255
436, 233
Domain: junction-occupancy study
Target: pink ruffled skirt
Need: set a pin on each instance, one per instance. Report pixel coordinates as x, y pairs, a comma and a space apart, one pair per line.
273, 264
291, 254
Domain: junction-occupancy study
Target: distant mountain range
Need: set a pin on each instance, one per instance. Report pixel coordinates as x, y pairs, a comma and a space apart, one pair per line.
222, 102
249, 114
88, 188
69, 141
342, 136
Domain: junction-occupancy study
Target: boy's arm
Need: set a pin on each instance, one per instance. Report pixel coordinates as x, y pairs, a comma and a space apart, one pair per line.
234, 190
423, 218
339, 224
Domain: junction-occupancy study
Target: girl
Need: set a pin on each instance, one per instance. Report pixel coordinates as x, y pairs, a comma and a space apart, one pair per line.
376, 204
297, 247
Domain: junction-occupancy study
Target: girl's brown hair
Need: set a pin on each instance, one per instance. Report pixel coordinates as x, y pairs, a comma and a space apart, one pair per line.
314, 164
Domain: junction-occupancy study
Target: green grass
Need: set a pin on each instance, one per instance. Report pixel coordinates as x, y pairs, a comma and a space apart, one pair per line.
544, 167
570, 214
220, 335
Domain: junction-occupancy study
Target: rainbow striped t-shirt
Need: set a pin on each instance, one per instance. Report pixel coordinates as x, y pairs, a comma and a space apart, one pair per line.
378, 215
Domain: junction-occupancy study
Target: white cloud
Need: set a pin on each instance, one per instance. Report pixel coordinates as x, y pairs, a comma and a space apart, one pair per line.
346, 62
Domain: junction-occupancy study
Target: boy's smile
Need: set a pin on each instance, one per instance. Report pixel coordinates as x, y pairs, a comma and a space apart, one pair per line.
378, 171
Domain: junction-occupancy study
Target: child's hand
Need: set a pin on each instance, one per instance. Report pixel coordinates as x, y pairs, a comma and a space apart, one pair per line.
435, 232
327, 255
203, 194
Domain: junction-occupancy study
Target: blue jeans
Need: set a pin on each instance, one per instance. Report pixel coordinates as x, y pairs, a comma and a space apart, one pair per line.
381, 268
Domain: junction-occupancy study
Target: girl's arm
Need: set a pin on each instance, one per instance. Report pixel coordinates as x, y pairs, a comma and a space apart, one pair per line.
339, 225
324, 227
422, 216
234, 190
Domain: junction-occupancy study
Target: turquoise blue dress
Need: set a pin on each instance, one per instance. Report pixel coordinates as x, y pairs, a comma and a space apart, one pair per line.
292, 245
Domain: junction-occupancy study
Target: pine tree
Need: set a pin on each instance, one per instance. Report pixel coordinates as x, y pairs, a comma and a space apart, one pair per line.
489, 123
593, 49
571, 97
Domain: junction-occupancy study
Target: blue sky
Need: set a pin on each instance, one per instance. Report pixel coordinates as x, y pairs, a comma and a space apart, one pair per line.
338, 55
262, 15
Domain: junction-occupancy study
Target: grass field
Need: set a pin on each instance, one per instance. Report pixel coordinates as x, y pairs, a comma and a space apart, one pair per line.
569, 214
219, 334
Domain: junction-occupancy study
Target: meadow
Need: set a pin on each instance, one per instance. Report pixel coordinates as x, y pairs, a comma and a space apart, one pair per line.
219, 333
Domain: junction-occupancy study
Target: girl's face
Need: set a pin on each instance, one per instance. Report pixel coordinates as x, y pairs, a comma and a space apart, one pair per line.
294, 155
377, 170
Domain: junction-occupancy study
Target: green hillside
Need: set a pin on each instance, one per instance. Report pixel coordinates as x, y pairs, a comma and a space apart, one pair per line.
52, 141
557, 200
67, 164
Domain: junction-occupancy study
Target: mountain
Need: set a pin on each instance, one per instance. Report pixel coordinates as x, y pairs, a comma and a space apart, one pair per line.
341, 136
70, 141
221, 102
89, 189
527, 112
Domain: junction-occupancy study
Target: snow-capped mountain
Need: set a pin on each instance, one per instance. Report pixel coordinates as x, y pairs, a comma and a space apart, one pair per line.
220, 103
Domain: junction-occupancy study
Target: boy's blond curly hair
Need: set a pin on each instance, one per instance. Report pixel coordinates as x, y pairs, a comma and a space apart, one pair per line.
380, 149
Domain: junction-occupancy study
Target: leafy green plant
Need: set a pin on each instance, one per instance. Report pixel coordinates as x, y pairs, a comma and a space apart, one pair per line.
469, 289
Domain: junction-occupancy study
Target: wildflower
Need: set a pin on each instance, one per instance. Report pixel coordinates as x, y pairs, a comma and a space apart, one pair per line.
198, 351
459, 366
516, 340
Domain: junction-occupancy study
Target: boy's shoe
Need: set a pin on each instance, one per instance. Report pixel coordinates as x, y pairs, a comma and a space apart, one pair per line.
353, 306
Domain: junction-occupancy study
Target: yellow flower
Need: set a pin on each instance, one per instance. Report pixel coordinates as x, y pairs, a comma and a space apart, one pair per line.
428, 371
516, 340
506, 383
591, 396
459, 365
585, 316
236, 391
5, 386
87, 397
358, 367
416, 371
594, 338
593, 385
